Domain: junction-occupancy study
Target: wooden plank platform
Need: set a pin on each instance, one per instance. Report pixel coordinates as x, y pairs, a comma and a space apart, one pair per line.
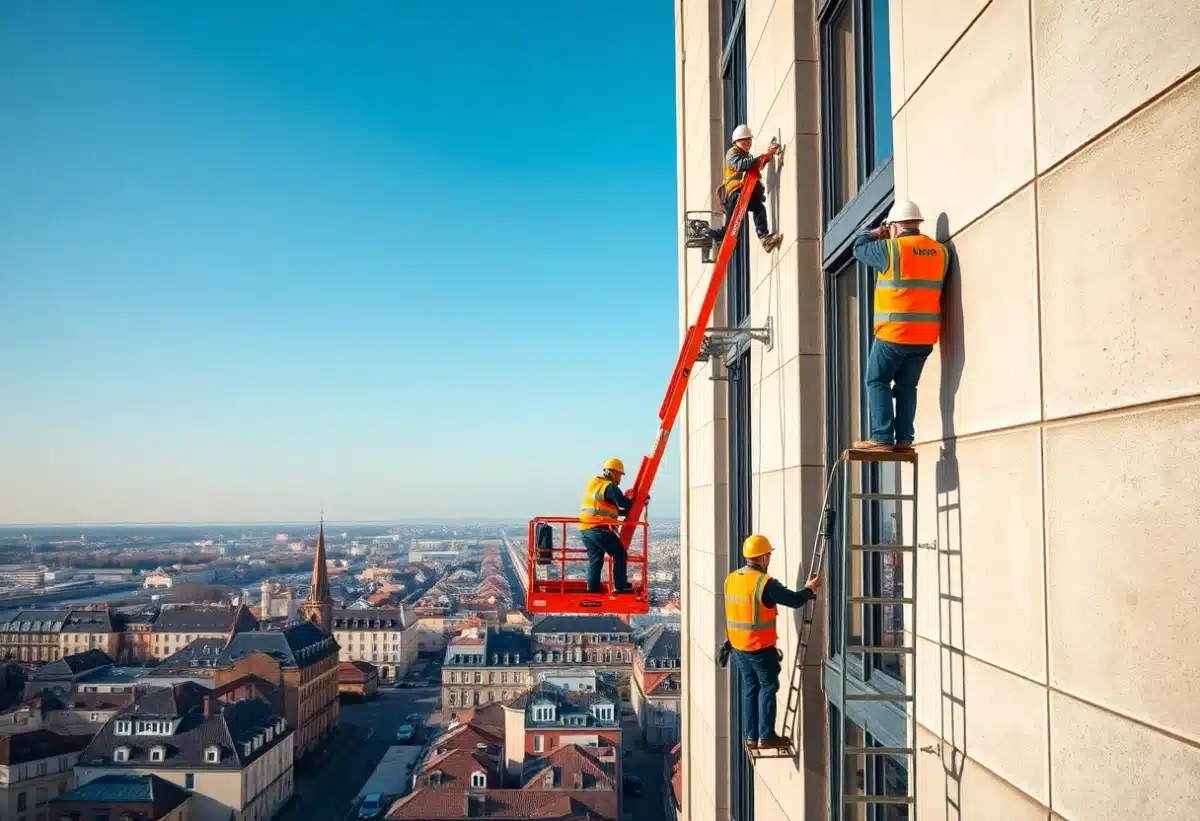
756, 753
859, 455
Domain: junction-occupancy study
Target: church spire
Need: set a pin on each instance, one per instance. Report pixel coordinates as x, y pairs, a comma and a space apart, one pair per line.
319, 607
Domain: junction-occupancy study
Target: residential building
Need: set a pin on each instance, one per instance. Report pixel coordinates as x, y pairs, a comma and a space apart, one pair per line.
197, 660
164, 578
61, 677
657, 686
124, 797
477, 769
136, 643
672, 798
25, 576
599, 642
1056, 422
303, 662
229, 746
576, 680
73, 713
90, 629
482, 666
357, 678
179, 625
387, 638
34, 768
548, 717
32, 635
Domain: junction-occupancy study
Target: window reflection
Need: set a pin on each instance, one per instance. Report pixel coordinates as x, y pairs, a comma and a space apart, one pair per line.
845, 82
881, 83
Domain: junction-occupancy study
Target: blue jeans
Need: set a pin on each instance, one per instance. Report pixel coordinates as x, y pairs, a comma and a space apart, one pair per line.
889, 363
759, 672
600, 541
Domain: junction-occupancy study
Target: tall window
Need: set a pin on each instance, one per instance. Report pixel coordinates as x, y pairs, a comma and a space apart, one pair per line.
737, 307
856, 149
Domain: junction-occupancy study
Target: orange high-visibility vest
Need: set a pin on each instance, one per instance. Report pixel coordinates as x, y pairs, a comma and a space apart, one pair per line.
908, 295
733, 179
595, 512
749, 624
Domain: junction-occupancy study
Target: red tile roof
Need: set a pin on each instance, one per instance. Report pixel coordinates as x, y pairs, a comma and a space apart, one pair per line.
570, 767
675, 759
454, 770
567, 805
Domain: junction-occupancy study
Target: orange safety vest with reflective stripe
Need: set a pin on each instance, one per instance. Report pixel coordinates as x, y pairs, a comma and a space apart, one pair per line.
733, 178
908, 295
749, 624
595, 511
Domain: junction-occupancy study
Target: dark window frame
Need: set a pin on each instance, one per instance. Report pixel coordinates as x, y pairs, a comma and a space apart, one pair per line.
883, 722
737, 312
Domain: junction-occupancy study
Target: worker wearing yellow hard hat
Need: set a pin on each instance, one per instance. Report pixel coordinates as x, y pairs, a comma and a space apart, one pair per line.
751, 600
603, 505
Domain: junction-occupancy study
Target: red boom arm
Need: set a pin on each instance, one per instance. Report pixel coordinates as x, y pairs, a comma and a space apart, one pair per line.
692, 341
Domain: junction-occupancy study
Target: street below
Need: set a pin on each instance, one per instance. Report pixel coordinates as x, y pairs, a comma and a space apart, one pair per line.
329, 780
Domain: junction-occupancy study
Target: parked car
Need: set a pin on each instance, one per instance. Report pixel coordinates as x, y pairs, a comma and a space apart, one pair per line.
371, 807
405, 734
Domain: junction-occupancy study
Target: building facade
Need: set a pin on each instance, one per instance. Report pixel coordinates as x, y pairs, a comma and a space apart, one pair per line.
37, 636
123, 797
177, 626
657, 687
1056, 419
35, 767
482, 666
604, 643
386, 638
300, 660
229, 747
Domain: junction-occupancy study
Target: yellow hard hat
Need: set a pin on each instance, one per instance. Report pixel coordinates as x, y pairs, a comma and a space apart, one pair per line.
615, 464
756, 546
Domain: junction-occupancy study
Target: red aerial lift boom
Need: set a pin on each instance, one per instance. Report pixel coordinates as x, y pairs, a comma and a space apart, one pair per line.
567, 595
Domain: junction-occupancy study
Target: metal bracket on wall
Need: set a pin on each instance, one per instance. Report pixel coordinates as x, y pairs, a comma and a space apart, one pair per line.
727, 344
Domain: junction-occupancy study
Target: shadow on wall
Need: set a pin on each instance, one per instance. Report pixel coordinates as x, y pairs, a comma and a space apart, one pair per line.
951, 604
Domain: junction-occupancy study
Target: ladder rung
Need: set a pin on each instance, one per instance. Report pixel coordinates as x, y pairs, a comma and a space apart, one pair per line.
876, 697
879, 751
882, 548
886, 651
878, 600
884, 497
878, 799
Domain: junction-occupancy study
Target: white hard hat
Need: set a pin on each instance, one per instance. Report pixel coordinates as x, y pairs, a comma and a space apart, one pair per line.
742, 132
905, 211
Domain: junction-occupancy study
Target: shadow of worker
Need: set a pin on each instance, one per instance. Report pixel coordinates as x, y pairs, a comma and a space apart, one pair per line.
951, 618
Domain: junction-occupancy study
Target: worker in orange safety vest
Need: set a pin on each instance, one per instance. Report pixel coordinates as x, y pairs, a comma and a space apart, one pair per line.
739, 160
908, 318
751, 601
603, 505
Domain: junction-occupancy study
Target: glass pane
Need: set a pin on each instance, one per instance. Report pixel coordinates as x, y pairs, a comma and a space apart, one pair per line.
846, 105
881, 83
894, 527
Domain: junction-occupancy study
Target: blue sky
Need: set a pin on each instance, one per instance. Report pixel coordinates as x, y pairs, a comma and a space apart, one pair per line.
398, 260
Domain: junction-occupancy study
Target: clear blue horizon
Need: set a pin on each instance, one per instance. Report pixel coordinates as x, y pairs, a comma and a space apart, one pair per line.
263, 260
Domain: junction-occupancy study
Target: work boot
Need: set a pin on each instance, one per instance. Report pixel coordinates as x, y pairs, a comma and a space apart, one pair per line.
770, 242
904, 446
871, 444
624, 591
776, 742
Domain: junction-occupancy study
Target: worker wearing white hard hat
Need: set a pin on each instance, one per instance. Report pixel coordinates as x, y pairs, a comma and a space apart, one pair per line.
910, 270
739, 160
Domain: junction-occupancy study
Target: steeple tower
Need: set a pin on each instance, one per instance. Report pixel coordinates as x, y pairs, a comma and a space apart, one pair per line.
319, 607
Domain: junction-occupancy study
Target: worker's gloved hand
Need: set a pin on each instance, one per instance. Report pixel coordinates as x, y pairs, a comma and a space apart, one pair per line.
723, 655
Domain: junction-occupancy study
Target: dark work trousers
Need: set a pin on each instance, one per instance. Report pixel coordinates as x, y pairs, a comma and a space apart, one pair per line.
757, 209
599, 541
759, 672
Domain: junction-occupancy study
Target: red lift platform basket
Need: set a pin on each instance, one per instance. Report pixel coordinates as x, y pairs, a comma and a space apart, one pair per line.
564, 594
560, 552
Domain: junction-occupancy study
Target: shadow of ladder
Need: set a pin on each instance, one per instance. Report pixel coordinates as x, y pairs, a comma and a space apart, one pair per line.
951, 649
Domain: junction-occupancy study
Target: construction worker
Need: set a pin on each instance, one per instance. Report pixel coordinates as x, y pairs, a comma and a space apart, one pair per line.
751, 599
739, 160
603, 505
908, 318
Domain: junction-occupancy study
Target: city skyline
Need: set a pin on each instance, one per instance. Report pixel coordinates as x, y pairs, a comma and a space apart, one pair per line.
214, 306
